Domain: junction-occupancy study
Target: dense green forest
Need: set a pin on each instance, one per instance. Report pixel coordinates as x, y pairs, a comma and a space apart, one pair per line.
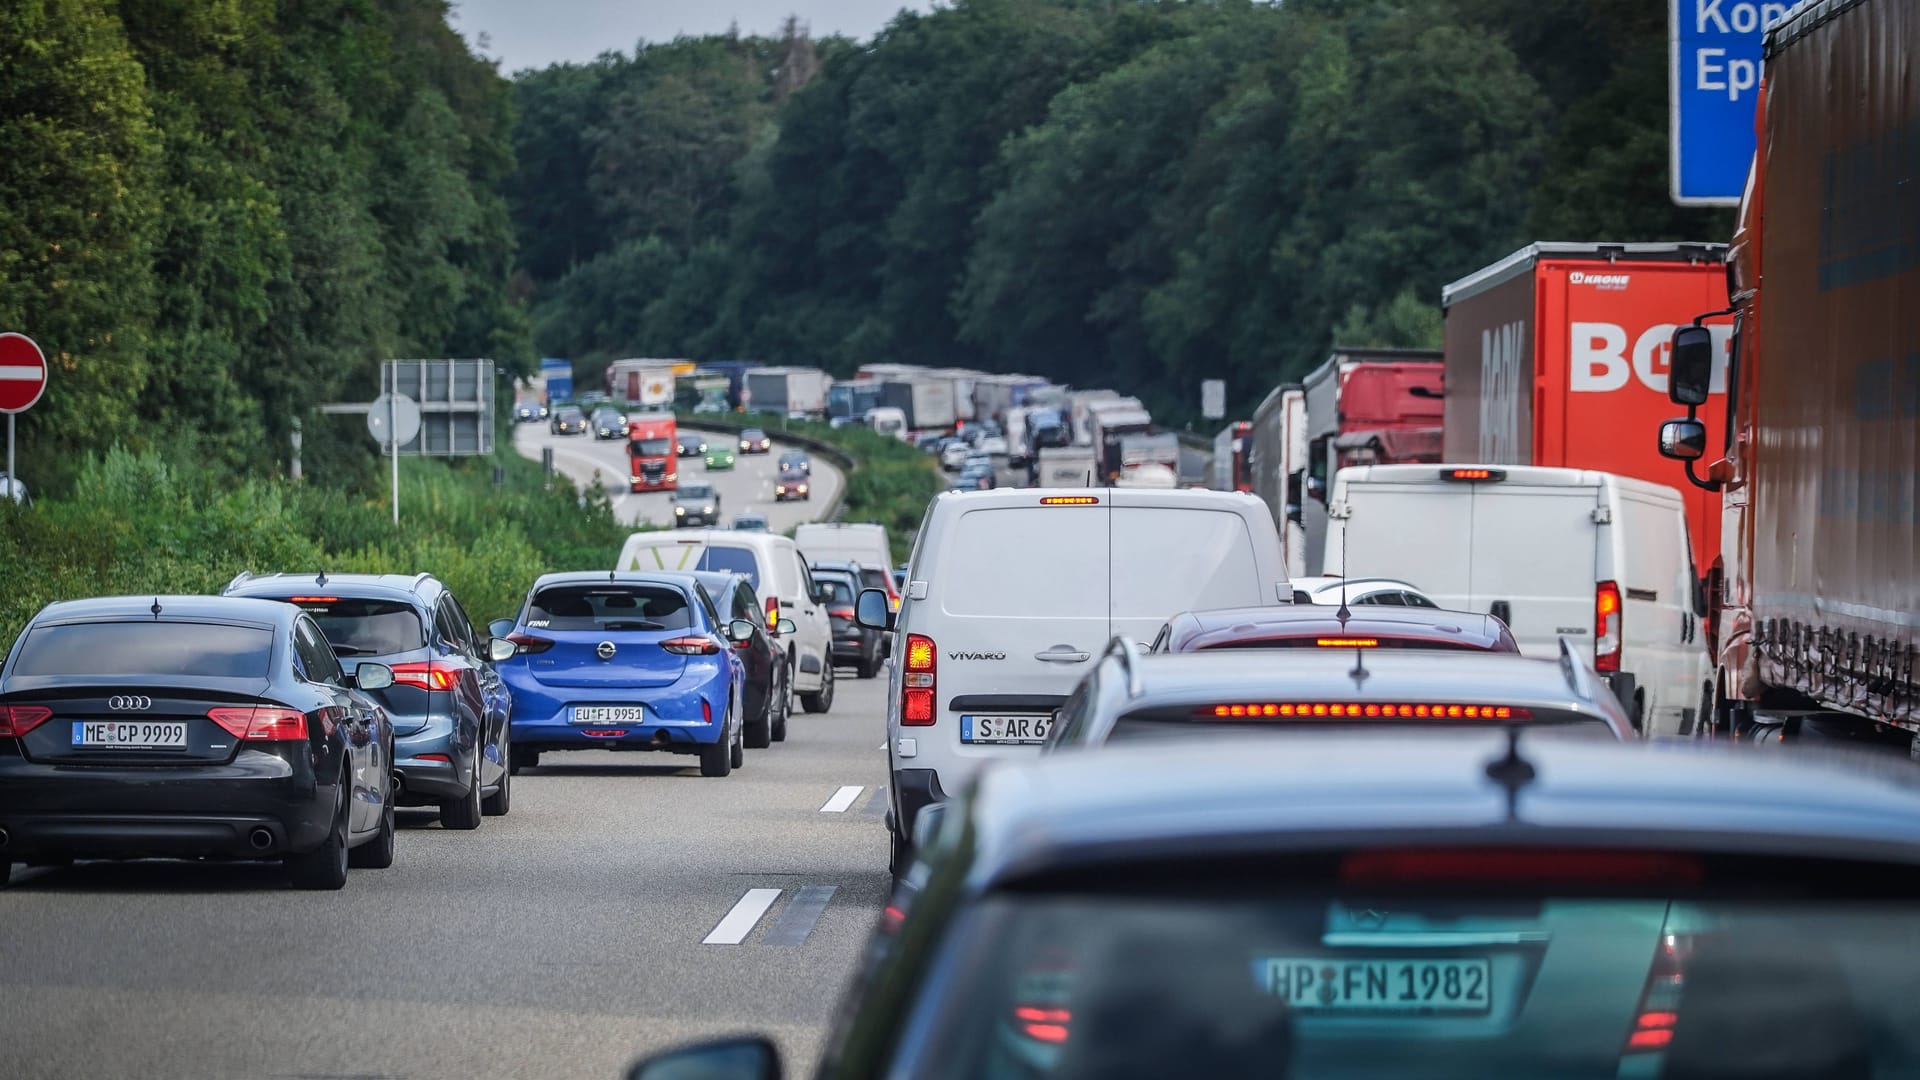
1109, 192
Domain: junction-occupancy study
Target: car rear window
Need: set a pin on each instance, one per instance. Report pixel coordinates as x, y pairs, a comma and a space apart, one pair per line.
1396, 981
609, 606
1053, 561
367, 627
871, 578
697, 556
120, 649
840, 587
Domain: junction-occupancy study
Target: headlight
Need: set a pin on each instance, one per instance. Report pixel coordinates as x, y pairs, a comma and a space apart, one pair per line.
803, 489
779, 489
680, 511
707, 510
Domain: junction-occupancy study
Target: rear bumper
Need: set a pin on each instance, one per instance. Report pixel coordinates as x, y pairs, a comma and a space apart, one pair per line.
852, 650
210, 811
424, 782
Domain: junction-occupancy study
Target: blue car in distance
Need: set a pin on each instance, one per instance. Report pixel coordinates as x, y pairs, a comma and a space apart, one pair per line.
624, 661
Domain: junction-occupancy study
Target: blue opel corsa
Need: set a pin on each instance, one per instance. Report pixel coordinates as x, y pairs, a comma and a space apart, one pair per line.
624, 661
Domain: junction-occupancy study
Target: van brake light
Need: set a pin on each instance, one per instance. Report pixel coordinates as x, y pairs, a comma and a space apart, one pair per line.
1607, 618
1069, 500
1495, 475
917, 692
1354, 710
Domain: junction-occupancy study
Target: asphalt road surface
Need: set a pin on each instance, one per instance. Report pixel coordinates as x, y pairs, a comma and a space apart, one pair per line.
748, 485
626, 904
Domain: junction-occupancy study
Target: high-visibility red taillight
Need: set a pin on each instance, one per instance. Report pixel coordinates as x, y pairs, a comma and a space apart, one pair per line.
17, 720
694, 645
427, 675
773, 614
528, 644
917, 683
840, 612
260, 723
1607, 618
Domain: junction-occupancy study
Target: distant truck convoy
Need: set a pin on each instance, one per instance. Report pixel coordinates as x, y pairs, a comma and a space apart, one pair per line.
925, 404
1065, 466
646, 383
556, 376
652, 453
1813, 608
1366, 407
1556, 349
849, 400
787, 391
1111, 427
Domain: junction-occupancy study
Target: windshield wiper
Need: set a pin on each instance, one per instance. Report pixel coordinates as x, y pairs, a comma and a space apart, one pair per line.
632, 624
354, 650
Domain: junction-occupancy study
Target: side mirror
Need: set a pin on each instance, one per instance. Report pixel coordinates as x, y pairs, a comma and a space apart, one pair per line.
873, 611
787, 626
500, 628
739, 631
927, 824
751, 1058
500, 649
372, 676
1690, 367
1683, 439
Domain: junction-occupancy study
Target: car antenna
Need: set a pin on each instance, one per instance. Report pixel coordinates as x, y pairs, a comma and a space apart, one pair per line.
321, 579
1109, 502
156, 607
1512, 772
1345, 612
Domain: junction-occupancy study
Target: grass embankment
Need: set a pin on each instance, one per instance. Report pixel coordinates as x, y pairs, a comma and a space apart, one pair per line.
134, 524
891, 482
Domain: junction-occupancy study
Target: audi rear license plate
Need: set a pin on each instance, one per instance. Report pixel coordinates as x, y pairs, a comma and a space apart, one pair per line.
1372, 986
1005, 730
609, 714
148, 734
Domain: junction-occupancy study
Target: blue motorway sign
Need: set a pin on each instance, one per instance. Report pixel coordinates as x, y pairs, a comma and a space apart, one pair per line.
1714, 83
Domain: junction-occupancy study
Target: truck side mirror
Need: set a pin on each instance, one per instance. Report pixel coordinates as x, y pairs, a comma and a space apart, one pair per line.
1683, 439
1690, 367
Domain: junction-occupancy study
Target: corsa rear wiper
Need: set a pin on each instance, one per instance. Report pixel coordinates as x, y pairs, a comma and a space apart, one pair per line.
632, 624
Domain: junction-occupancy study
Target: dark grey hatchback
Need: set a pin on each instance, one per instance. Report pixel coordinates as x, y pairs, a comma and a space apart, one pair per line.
192, 727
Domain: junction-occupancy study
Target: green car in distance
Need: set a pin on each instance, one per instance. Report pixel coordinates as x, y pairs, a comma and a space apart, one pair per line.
719, 457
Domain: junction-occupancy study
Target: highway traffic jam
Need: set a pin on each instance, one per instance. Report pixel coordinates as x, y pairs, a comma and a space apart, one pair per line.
1446, 721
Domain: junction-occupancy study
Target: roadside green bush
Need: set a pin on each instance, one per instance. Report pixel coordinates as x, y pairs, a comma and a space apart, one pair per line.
134, 524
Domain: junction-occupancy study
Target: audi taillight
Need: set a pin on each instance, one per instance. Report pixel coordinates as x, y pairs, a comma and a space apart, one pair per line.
1606, 627
917, 682
260, 723
693, 645
526, 643
427, 674
17, 720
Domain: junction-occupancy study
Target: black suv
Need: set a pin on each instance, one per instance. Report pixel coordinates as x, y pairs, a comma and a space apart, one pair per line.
854, 645
449, 708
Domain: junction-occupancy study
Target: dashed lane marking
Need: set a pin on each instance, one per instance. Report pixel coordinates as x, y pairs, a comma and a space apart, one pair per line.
842, 799
738, 923
798, 920
878, 804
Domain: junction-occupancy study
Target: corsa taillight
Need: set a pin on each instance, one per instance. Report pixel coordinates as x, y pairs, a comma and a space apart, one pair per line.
1607, 618
426, 674
260, 723
527, 643
917, 682
691, 646
17, 720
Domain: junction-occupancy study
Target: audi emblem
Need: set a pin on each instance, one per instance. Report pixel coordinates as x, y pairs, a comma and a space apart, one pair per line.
604, 650
129, 701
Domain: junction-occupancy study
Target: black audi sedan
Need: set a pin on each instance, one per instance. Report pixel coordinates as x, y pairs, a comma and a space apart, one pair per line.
192, 727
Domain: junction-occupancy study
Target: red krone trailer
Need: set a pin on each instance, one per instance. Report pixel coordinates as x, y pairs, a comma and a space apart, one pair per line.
1557, 352
1813, 614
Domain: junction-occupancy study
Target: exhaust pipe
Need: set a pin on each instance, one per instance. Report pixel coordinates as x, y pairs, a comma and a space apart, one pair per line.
399, 784
5, 838
261, 839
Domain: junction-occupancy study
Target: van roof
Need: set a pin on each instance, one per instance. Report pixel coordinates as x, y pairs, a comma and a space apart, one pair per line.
1175, 498
1532, 475
710, 537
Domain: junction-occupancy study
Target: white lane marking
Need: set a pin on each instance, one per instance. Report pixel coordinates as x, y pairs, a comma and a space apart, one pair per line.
842, 799
745, 915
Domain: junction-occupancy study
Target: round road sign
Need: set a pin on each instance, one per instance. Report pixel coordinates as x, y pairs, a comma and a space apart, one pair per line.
404, 413
23, 373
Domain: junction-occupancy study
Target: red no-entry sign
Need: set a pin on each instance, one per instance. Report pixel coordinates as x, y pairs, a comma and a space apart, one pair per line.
23, 373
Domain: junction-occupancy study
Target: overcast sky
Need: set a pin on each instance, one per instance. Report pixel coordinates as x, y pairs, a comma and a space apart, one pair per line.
535, 33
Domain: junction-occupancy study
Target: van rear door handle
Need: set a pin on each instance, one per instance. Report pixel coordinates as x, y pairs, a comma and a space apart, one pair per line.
1058, 655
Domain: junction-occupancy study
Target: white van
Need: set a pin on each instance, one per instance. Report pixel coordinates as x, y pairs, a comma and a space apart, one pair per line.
851, 542
1012, 595
779, 574
1601, 559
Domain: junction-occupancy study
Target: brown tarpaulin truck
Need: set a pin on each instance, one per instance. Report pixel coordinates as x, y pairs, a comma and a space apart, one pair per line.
1814, 608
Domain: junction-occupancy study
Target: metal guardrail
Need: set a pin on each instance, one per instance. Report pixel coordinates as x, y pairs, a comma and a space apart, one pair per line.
734, 423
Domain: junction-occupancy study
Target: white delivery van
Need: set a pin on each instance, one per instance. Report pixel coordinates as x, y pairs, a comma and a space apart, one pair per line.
779, 574
851, 542
1600, 559
1013, 595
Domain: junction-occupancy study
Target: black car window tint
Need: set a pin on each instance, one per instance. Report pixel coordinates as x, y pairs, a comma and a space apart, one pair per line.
465, 622
367, 627
1391, 598
1416, 600
149, 647
609, 606
322, 665
449, 626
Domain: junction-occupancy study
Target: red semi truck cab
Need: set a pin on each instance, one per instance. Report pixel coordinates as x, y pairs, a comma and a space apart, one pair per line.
651, 453
1556, 353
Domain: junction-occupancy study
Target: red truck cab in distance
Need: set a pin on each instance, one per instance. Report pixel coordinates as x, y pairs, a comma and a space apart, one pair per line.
651, 453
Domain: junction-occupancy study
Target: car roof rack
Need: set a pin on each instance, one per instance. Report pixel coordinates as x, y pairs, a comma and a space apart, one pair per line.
421, 578
1575, 671
1128, 653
